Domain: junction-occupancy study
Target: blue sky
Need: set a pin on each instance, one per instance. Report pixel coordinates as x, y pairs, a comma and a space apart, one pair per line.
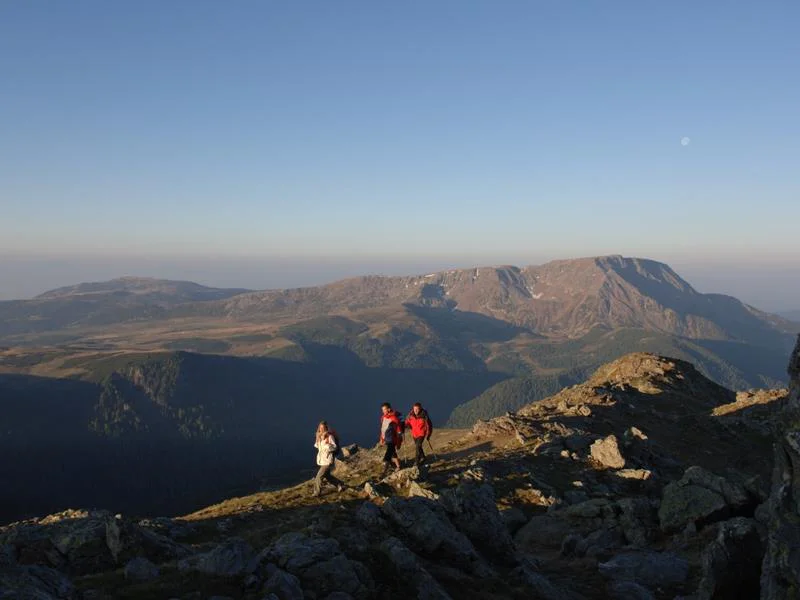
447, 130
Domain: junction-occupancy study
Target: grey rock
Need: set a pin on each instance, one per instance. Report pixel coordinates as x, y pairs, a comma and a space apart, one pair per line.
140, 569
338, 596
230, 559
284, 586
473, 510
731, 564
700, 497
33, 582
636, 474
606, 452
591, 509
426, 524
542, 587
652, 569
409, 567
637, 519
542, 532
402, 477
319, 564
369, 514
415, 489
514, 518
575, 496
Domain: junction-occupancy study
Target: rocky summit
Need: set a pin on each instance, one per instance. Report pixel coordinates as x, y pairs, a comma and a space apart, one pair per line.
648, 481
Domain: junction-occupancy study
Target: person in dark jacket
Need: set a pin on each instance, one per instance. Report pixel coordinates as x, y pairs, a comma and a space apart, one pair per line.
421, 428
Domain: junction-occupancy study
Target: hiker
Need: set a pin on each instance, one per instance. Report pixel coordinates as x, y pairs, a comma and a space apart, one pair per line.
421, 429
326, 447
391, 437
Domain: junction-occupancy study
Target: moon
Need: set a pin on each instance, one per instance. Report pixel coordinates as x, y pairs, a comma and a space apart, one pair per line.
685, 141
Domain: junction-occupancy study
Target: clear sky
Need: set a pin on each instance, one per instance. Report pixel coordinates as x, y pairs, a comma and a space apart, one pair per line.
420, 131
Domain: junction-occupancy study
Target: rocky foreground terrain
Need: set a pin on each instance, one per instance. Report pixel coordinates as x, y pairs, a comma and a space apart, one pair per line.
647, 481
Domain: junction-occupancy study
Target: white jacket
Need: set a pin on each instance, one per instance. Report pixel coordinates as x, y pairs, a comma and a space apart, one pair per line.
325, 449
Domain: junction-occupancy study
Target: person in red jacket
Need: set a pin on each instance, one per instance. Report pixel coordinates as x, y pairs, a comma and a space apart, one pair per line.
391, 437
421, 429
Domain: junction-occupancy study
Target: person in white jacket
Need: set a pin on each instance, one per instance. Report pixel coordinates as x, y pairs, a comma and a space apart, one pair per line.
326, 447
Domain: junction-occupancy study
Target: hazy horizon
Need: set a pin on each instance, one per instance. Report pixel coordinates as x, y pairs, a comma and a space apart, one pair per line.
773, 286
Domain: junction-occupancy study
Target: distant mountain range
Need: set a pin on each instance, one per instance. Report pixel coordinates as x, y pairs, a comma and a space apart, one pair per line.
171, 376
792, 315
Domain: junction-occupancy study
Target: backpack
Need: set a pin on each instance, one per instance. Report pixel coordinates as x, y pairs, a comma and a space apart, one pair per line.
338, 452
399, 428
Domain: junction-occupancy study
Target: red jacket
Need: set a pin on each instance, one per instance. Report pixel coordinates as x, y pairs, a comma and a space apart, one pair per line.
420, 424
395, 427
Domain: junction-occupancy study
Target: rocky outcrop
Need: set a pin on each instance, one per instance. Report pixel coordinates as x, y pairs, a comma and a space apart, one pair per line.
731, 564
409, 568
650, 569
701, 497
780, 572
35, 583
81, 542
473, 509
318, 563
425, 523
226, 560
140, 569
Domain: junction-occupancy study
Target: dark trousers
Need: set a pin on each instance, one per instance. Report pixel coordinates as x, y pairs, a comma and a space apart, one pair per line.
420, 454
324, 473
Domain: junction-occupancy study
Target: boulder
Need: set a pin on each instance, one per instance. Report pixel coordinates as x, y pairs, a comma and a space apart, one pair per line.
731, 564
369, 515
318, 563
411, 571
227, 560
426, 525
637, 519
700, 497
35, 583
780, 571
606, 453
542, 532
283, 585
402, 477
651, 569
140, 569
415, 489
473, 510
514, 518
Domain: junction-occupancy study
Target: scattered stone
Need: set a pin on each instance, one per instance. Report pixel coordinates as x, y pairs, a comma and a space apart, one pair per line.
415, 489
639, 474
402, 477
634, 433
606, 453
140, 569
348, 451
